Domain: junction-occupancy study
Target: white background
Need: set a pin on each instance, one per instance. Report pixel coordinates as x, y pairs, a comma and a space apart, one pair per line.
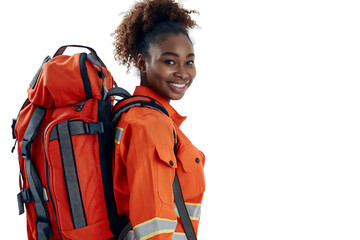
275, 108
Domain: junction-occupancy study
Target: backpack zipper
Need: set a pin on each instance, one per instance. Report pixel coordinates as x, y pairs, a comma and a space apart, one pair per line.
48, 183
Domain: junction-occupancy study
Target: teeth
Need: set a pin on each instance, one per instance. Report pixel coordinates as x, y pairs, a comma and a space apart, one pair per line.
178, 85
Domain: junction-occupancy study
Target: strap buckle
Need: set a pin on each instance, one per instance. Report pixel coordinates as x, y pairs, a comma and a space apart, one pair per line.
25, 149
94, 128
13, 127
24, 196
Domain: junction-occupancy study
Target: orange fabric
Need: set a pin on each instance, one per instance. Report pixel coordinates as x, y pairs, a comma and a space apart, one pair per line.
144, 165
60, 82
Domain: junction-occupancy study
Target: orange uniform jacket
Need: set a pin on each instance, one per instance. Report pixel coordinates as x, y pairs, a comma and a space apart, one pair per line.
144, 170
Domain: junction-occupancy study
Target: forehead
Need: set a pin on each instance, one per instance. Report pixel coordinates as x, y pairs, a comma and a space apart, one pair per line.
178, 44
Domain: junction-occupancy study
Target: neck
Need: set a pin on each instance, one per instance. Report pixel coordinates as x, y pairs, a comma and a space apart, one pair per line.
144, 83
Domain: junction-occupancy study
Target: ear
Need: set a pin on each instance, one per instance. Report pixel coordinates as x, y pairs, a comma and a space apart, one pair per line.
141, 62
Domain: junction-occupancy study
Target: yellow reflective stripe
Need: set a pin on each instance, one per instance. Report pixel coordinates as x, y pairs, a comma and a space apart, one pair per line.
154, 227
193, 204
156, 233
118, 133
152, 220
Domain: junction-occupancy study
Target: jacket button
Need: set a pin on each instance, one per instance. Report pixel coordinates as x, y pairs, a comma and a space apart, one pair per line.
197, 160
171, 163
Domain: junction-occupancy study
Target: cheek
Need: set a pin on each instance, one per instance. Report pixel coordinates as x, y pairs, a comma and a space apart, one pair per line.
162, 73
193, 73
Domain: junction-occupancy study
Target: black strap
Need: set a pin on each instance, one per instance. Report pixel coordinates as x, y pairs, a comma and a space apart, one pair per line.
85, 76
184, 215
62, 49
125, 230
70, 175
42, 221
180, 203
117, 91
137, 103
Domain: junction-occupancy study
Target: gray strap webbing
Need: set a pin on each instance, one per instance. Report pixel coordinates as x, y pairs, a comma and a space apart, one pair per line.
78, 127
42, 221
94, 59
184, 215
70, 175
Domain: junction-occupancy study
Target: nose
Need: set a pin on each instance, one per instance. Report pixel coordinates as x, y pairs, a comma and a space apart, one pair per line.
181, 73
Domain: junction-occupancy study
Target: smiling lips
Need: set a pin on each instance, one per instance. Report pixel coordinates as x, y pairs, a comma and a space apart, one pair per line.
178, 87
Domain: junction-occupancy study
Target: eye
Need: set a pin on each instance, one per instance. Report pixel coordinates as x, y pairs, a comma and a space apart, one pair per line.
169, 62
190, 62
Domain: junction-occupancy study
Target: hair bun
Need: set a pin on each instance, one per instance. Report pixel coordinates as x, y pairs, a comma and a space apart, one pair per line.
141, 19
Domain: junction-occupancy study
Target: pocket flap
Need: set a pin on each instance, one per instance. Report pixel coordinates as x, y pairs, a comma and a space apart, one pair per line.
166, 154
190, 158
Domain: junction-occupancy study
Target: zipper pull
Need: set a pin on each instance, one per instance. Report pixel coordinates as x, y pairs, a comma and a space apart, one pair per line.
13, 148
79, 106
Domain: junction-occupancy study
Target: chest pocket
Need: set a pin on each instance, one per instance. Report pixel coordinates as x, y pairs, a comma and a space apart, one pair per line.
191, 171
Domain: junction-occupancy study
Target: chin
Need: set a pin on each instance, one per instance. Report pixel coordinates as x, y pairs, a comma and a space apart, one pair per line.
176, 97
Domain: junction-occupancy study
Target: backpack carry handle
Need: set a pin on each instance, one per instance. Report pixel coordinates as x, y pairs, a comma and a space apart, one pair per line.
62, 49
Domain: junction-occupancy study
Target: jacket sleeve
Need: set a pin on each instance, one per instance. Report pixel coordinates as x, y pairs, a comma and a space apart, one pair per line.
150, 167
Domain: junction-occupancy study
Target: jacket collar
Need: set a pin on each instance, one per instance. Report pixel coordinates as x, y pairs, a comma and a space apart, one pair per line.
174, 115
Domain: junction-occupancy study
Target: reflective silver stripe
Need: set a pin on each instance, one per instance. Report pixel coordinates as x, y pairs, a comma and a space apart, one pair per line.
179, 236
118, 133
194, 210
175, 236
154, 227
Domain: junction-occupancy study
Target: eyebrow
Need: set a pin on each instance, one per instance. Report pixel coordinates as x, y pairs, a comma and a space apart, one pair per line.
177, 55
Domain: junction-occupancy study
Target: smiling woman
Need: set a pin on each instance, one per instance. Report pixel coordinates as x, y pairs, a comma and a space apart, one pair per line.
151, 150
169, 69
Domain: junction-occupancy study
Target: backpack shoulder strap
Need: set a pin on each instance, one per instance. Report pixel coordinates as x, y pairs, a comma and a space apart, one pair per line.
36, 189
180, 203
129, 101
184, 215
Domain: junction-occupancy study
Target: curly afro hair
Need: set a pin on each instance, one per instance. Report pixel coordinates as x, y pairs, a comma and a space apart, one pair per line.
145, 23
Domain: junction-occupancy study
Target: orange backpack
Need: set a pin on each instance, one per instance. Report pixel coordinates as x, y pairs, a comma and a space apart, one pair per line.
65, 146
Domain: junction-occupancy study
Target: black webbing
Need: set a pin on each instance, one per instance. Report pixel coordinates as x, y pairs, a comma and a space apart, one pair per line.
180, 203
184, 215
42, 221
85, 76
70, 175
125, 230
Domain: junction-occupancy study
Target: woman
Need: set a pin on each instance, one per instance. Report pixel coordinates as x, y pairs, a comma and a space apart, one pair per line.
153, 37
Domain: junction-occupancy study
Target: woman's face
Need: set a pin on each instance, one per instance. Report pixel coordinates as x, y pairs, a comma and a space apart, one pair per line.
169, 69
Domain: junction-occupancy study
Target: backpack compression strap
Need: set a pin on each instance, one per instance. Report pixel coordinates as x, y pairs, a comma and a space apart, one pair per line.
36, 188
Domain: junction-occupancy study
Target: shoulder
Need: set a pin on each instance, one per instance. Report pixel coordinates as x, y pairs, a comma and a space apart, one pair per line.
144, 122
145, 116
